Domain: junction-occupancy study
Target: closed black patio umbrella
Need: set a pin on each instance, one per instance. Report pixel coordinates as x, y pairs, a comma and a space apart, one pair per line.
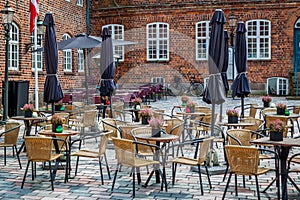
52, 88
107, 67
240, 86
215, 89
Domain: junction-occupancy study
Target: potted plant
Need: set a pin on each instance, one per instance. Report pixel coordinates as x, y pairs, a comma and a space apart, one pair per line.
184, 100
137, 103
233, 115
276, 129
59, 106
190, 107
280, 108
266, 101
28, 109
155, 124
57, 122
145, 114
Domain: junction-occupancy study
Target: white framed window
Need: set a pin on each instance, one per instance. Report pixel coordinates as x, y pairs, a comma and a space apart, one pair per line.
13, 48
80, 60
158, 41
79, 2
277, 86
67, 56
202, 40
39, 53
117, 32
259, 39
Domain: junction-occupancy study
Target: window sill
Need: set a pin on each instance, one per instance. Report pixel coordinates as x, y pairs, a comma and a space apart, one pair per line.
69, 73
13, 72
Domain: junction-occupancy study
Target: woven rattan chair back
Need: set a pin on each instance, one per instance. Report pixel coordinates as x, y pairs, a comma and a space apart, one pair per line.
257, 123
38, 148
203, 109
242, 160
126, 131
103, 143
142, 148
125, 151
11, 137
158, 113
253, 110
242, 135
89, 118
110, 124
203, 149
171, 123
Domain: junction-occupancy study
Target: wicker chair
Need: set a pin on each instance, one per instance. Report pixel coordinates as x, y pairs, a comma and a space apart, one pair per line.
243, 160
126, 152
10, 138
202, 147
100, 153
294, 159
39, 149
88, 121
113, 125
285, 120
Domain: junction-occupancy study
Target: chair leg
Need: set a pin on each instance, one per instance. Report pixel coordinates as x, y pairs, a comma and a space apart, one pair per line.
133, 182
107, 167
293, 183
235, 182
18, 157
226, 171
33, 173
76, 167
200, 180
116, 172
101, 173
4, 156
257, 187
51, 176
208, 176
26, 170
138, 175
228, 181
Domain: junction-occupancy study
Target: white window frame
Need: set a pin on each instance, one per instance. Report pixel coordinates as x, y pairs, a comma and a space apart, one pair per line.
79, 2
258, 39
202, 48
13, 52
117, 32
156, 41
67, 56
80, 60
39, 53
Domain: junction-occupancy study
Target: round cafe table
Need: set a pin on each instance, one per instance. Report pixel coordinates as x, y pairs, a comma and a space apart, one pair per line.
164, 138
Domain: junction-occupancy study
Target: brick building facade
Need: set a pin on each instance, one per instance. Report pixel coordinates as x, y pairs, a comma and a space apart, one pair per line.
70, 18
182, 17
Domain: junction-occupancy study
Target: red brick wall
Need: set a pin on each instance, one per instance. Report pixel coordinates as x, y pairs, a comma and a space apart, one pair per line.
182, 17
69, 18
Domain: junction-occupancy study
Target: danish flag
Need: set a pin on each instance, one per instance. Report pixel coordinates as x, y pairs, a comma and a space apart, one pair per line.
34, 11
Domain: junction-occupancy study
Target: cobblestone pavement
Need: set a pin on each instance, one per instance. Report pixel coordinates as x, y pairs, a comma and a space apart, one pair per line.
87, 183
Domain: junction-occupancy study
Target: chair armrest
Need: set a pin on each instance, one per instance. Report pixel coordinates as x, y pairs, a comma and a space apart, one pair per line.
234, 138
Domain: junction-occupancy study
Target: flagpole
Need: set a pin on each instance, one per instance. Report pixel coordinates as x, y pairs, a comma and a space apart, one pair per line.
35, 67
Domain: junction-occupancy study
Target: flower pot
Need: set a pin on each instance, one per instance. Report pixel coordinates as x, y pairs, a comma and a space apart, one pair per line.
136, 116
280, 111
266, 104
276, 136
145, 120
57, 107
137, 106
233, 119
156, 132
57, 128
27, 113
183, 103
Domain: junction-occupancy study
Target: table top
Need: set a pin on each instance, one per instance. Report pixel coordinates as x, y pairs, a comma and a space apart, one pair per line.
162, 138
287, 142
241, 124
64, 133
28, 118
191, 114
292, 115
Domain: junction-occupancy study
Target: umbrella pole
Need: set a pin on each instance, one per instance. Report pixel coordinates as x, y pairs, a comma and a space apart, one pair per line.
85, 76
212, 120
53, 108
221, 112
110, 100
242, 112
